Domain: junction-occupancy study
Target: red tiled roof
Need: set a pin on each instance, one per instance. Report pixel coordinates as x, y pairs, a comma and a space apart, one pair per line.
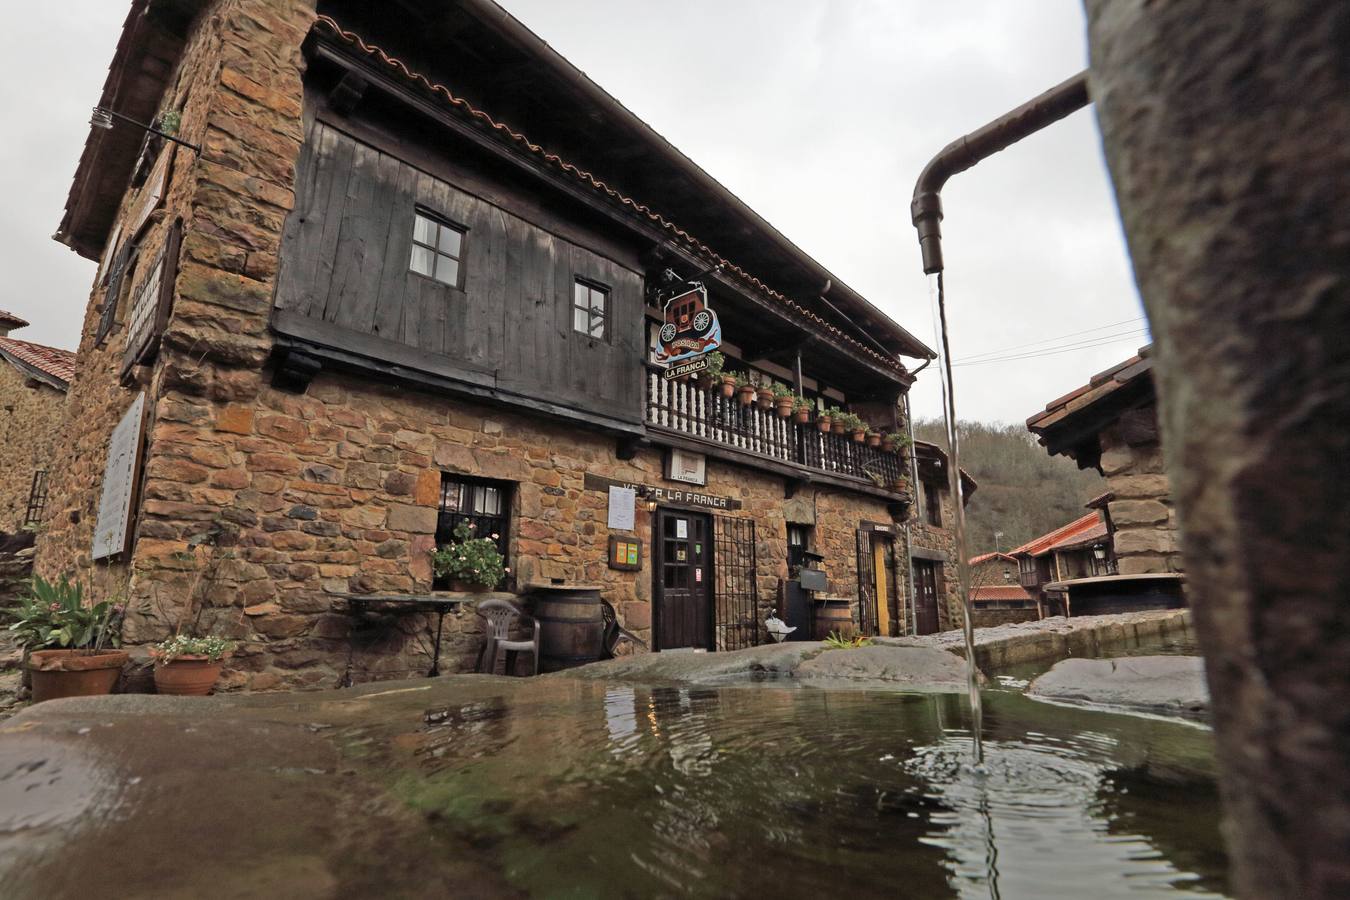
985, 557
999, 592
1102, 385
1087, 538
9, 320
59, 364
1078, 531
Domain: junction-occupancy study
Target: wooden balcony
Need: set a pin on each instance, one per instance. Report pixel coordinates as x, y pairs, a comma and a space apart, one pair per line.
686, 414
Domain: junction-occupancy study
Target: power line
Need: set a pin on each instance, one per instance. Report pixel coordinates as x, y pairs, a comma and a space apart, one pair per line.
1049, 340
1103, 341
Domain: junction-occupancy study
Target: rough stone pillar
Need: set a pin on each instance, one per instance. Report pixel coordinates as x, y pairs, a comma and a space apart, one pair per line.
1227, 132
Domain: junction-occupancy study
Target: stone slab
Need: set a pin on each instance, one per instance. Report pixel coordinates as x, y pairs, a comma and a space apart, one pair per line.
1168, 685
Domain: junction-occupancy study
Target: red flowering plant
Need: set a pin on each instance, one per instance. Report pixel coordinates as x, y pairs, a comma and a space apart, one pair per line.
470, 559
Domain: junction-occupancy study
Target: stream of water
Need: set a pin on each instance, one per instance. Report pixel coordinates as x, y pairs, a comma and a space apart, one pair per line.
938, 296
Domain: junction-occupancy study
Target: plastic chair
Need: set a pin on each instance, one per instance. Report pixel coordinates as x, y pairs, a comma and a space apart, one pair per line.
616, 633
500, 616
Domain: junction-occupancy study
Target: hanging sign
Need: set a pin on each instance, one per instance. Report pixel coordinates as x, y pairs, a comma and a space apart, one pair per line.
690, 328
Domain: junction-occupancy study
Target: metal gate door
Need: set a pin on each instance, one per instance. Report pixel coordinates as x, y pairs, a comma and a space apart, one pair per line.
735, 598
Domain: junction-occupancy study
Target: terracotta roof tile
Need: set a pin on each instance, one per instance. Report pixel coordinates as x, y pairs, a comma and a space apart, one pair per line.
59, 364
985, 557
1075, 532
1101, 385
999, 592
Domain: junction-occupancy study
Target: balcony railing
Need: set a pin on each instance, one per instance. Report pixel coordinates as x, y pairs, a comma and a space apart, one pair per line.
707, 416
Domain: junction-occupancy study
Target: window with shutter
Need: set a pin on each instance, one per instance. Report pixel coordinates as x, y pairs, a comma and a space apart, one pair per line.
152, 303
120, 264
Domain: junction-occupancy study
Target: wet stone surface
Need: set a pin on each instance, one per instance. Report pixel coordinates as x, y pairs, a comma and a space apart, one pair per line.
1167, 685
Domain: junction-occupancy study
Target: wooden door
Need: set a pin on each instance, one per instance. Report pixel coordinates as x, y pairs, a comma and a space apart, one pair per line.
925, 597
881, 567
684, 580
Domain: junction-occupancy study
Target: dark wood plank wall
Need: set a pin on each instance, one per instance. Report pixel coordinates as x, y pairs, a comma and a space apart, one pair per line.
345, 262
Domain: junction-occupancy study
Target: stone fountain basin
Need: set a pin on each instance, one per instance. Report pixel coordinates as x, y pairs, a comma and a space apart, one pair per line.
1165, 685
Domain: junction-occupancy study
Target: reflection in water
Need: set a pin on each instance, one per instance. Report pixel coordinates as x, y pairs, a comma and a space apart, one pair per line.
705, 792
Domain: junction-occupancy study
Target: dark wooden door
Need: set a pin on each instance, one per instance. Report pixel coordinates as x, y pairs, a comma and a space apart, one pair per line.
683, 580
925, 597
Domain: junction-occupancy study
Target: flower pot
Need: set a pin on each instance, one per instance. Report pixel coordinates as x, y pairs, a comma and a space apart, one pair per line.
706, 382
728, 386
466, 587
823, 423
191, 676
888, 445
745, 396
802, 416
838, 427
783, 406
74, 673
874, 440
859, 436
766, 398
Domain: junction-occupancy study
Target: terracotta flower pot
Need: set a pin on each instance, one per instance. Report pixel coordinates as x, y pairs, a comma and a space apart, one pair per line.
802, 416
838, 427
783, 406
766, 398
728, 386
859, 436
706, 382
746, 395
191, 676
874, 440
823, 423
74, 673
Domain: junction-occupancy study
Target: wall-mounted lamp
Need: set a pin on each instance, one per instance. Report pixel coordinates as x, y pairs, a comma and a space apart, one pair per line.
1099, 551
648, 497
103, 118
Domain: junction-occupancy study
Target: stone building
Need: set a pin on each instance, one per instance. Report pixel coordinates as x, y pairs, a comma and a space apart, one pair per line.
1111, 424
353, 308
996, 594
34, 380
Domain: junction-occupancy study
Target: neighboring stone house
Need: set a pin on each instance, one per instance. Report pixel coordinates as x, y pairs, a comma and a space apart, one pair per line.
1079, 549
1111, 424
34, 380
359, 310
996, 595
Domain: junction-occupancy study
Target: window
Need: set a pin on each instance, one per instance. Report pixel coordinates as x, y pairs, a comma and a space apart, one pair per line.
932, 504
798, 542
437, 249
486, 505
590, 310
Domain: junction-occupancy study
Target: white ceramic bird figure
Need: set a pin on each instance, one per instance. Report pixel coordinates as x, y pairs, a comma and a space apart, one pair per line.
778, 629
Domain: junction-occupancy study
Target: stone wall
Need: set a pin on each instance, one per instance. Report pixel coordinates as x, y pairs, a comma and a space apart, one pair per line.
939, 540
32, 420
1145, 537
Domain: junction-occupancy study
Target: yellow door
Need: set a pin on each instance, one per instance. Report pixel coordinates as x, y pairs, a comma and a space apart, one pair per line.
883, 586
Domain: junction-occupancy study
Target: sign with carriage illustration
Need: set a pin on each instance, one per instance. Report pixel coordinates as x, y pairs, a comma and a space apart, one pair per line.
690, 327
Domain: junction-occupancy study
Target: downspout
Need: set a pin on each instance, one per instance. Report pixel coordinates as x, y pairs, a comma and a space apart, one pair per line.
912, 598
925, 208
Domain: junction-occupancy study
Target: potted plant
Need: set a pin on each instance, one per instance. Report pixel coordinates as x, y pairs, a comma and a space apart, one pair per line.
745, 390
890, 442
858, 428
825, 421
801, 410
873, 437
712, 376
783, 399
470, 563
71, 648
838, 420
189, 666
765, 394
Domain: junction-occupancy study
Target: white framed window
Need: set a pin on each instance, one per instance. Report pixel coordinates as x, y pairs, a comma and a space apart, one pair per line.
590, 309
437, 249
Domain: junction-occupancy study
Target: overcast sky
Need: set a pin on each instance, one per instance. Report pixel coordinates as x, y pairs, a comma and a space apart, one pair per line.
818, 114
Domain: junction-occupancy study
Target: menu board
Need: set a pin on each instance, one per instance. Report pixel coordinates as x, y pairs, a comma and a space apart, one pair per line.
112, 530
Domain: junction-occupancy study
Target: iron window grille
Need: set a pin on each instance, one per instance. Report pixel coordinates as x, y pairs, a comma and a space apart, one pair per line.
483, 504
437, 249
590, 309
37, 499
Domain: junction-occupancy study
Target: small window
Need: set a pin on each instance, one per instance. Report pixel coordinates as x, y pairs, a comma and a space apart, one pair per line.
437, 249
486, 505
590, 310
799, 542
932, 504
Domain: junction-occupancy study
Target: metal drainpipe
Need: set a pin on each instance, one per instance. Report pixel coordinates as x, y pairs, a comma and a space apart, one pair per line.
914, 496
925, 208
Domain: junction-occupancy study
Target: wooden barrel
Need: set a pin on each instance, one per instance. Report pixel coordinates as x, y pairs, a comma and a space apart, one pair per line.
571, 626
832, 614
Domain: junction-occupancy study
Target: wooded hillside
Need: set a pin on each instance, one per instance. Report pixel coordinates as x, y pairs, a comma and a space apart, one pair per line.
1023, 491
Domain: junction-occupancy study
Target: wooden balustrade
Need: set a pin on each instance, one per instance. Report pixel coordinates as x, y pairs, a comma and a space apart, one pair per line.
706, 415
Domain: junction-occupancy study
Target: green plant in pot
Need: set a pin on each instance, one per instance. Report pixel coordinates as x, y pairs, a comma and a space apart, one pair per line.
801, 410
71, 646
873, 437
783, 397
470, 563
839, 420
187, 664
711, 377
745, 390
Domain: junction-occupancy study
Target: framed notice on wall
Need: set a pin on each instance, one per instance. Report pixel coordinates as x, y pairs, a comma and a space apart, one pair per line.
112, 532
625, 553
